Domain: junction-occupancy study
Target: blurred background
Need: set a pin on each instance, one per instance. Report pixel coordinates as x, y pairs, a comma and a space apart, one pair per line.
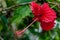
16, 15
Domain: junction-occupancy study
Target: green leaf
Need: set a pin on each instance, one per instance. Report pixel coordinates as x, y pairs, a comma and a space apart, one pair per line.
5, 23
57, 37
23, 1
9, 2
4, 19
49, 0
1, 26
20, 13
58, 1
58, 19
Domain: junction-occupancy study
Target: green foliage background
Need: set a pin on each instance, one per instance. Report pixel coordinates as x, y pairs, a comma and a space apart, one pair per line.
21, 16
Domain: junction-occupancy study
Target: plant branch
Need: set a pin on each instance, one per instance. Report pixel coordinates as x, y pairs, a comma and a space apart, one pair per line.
55, 3
17, 5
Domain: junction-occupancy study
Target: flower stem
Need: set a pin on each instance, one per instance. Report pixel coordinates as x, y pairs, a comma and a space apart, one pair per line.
30, 24
22, 31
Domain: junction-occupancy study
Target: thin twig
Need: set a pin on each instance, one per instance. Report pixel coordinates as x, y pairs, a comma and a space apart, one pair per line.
17, 5
53, 6
53, 3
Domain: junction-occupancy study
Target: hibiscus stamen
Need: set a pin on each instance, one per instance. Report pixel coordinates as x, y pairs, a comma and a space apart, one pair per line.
22, 31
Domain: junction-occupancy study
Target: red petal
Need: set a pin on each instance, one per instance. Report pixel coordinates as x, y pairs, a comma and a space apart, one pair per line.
47, 26
35, 8
48, 14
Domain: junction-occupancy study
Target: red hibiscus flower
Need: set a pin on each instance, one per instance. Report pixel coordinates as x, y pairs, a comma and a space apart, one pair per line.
46, 15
